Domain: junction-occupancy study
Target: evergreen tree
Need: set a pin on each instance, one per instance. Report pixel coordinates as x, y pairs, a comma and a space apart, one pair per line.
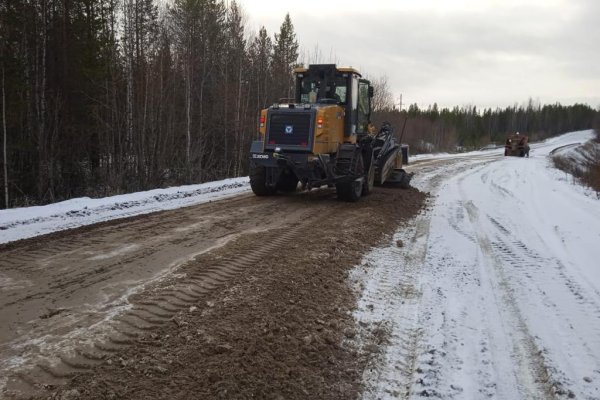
261, 62
285, 57
103, 96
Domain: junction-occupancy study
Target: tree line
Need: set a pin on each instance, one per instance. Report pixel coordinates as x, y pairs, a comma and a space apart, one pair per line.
110, 96
433, 129
101, 97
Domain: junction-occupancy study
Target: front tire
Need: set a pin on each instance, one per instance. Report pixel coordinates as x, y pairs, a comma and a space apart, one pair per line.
352, 190
258, 181
349, 191
369, 183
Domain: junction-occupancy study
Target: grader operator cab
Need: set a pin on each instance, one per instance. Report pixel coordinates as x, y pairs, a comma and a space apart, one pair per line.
325, 137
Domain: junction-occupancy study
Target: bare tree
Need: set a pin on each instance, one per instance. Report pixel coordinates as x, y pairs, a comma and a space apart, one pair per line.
383, 98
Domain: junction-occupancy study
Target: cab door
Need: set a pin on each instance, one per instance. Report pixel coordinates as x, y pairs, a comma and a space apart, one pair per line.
363, 109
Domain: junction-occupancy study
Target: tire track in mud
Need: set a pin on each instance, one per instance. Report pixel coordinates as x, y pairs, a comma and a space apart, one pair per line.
28, 251
144, 316
272, 322
30, 257
74, 269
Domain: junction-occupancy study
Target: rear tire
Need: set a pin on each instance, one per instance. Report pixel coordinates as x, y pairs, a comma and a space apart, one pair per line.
258, 181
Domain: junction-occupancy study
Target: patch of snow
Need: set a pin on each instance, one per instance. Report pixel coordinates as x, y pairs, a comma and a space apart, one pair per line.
496, 291
580, 155
26, 222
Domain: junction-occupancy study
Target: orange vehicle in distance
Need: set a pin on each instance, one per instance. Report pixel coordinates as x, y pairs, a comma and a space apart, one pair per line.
516, 145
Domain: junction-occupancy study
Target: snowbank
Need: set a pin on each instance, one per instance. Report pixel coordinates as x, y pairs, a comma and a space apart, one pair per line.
26, 222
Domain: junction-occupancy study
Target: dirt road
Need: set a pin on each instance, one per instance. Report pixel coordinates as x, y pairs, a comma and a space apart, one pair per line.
403, 295
241, 298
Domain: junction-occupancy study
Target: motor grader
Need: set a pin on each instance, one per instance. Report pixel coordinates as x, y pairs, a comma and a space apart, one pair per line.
324, 137
516, 145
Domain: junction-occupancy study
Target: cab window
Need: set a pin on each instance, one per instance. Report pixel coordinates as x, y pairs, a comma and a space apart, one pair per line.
363, 107
312, 90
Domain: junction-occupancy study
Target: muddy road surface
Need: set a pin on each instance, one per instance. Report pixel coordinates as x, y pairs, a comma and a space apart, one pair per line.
240, 298
481, 284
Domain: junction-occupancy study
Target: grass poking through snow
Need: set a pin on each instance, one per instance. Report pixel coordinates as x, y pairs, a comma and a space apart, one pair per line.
582, 162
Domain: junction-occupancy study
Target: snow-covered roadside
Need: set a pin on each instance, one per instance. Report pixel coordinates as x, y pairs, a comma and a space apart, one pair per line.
443, 156
26, 222
579, 163
494, 292
554, 142
579, 154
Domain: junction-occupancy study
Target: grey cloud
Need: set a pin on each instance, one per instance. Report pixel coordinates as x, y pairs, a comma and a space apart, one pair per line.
536, 50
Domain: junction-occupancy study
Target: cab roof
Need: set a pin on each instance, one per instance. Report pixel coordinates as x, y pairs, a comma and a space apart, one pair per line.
301, 70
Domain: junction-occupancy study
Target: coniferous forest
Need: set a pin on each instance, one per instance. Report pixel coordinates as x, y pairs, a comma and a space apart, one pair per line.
101, 97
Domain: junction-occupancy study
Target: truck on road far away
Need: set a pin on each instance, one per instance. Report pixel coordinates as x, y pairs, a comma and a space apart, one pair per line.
516, 145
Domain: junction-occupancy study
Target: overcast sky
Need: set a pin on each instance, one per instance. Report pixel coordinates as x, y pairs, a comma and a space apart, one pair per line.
486, 53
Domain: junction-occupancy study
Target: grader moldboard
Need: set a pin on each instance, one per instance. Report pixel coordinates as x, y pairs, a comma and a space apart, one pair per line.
324, 137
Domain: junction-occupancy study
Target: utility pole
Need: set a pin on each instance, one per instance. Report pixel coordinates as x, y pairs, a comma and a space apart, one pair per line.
400, 102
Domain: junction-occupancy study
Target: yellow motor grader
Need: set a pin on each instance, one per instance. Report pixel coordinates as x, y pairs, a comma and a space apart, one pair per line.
324, 137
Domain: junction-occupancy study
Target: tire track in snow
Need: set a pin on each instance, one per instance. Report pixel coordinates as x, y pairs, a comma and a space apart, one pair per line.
457, 359
391, 303
577, 311
390, 280
464, 313
532, 374
501, 313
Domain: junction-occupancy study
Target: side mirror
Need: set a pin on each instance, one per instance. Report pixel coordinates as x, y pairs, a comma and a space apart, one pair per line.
371, 91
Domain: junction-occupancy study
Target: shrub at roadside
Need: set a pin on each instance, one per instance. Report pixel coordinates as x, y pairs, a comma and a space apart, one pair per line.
585, 166
594, 169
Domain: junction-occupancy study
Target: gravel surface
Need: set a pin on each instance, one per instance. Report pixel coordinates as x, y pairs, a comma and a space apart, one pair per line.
265, 314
